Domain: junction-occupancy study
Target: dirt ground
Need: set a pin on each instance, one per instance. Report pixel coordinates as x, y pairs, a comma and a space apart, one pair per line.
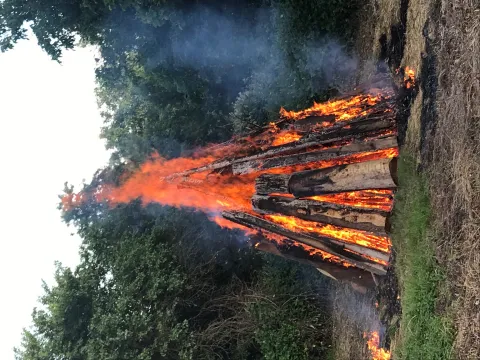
440, 40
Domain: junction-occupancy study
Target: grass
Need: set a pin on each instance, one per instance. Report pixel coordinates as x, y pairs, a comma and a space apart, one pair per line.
352, 314
454, 171
425, 329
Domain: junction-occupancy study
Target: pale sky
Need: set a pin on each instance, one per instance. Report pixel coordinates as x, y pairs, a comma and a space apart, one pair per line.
49, 127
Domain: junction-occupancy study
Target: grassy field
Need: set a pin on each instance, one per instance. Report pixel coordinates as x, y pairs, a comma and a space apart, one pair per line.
425, 328
437, 212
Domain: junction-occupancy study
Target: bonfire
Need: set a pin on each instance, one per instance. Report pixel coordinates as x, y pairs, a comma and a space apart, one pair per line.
317, 185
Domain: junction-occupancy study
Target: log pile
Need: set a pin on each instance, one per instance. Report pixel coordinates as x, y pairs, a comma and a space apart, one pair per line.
324, 184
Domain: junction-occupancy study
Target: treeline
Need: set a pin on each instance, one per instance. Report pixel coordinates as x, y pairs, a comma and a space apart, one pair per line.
161, 283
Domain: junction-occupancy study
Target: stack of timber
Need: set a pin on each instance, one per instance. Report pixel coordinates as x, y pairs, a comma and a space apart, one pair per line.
302, 208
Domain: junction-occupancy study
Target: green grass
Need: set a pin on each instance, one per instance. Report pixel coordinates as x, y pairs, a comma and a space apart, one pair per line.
425, 329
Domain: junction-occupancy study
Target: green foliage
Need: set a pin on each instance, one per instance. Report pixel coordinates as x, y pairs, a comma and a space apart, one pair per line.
426, 331
160, 283
291, 314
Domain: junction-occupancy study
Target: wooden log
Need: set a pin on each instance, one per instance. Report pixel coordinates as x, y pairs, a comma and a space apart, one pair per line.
371, 125
321, 243
371, 220
314, 156
374, 174
368, 127
360, 279
288, 208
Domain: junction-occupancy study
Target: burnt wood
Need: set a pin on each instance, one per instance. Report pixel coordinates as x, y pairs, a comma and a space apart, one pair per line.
321, 243
359, 279
371, 125
353, 148
374, 174
372, 220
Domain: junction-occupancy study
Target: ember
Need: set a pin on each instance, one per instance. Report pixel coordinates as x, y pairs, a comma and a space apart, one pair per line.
320, 180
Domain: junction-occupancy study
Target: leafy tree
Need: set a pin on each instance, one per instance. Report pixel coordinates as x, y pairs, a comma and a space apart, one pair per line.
161, 283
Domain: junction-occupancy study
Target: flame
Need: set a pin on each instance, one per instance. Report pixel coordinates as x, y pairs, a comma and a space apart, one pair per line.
373, 344
367, 199
343, 109
409, 77
190, 182
282, 241
286, 137
153, 182
202, 191
348, 235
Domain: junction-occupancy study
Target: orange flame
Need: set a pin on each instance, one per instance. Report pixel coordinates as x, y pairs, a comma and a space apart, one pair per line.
409, 77
373, 344
345, 234
343, 109
280, 240
286, 137
367, 199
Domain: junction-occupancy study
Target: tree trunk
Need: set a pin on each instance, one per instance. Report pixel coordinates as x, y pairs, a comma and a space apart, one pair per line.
322, 243
371, 220
321, 155
375, 174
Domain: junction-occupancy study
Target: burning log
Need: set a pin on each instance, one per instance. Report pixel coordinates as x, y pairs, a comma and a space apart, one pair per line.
375, 174
371, 220
349, 253
376, 125
361, 127
360, 279
321, 155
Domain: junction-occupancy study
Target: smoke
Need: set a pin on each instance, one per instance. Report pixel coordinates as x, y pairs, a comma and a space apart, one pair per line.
236, 50
211, 39
355, 312
329, 61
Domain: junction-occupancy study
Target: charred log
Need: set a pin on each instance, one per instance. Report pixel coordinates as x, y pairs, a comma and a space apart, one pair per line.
360, 279
371, 220
375, 174
322, 243
368, 126
321, 155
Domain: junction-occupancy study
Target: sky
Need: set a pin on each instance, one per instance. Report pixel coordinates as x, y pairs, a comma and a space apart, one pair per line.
49, 134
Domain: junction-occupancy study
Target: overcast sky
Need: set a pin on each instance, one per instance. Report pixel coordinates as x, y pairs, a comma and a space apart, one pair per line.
49, 127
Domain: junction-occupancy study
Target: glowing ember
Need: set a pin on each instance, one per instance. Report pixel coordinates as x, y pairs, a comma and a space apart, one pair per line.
350, 159
344, 109
373, 344
353, 236
286, 137
282, 241
367, 199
